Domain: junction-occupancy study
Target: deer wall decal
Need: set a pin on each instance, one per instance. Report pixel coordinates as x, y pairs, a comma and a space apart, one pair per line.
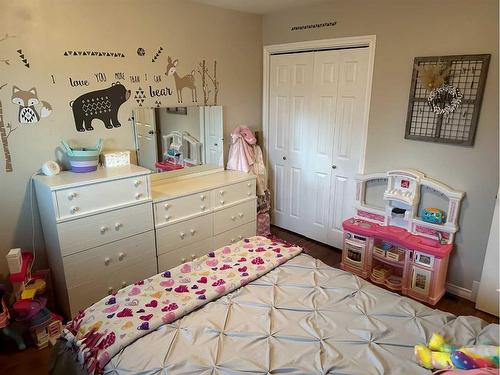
181, 82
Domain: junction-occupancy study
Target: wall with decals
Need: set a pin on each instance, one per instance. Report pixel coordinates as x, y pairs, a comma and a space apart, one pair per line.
65, 62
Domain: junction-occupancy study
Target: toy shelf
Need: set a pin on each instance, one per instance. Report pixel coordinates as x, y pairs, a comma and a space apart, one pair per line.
396, 247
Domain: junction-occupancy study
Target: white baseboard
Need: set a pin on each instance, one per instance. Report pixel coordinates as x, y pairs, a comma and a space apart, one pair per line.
463, 292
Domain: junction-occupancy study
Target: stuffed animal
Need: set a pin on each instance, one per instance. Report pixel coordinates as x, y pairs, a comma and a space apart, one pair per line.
441, 355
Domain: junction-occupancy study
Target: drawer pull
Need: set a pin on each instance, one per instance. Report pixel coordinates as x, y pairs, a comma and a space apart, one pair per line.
249, 184
203, 208
202, 197
118, 226
232, 240
240, 237
233, 218
107, 260
72, 196
74, 210
137, 183
221, 192
193, 232
182, 235
124, 284
167, 217
121, 256
240, 215
249, 193
166, 205
193, 257
221, 202
138, 195
183, 260
103, 230
110, 290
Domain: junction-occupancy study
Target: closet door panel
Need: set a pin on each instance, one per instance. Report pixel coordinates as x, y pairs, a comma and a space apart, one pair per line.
290, 86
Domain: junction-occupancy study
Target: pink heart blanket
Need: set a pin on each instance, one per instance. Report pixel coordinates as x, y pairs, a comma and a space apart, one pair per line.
102, 330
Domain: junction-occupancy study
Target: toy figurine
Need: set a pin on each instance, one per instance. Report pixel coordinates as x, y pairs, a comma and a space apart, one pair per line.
433, 215
4, 322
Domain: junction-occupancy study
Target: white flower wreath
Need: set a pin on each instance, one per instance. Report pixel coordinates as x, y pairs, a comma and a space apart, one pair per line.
435, 99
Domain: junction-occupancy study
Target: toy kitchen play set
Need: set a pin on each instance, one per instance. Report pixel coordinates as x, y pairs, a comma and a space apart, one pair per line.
405, 247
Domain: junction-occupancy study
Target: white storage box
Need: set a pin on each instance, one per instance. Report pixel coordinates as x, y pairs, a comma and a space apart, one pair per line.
115, 158
14, 260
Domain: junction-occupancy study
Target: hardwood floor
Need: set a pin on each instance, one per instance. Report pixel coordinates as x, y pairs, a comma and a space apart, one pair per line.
35, 362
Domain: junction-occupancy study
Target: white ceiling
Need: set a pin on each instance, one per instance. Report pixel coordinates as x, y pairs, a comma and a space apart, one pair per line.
259, 6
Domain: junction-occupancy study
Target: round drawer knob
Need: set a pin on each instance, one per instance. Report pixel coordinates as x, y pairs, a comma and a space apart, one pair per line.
249, 193
118, 226
233, 218
182, 235
103, 230
167, 217
124, 284
107, 260
137, 183
72, 196
183, 260
203, 208
121, 256
74, 210
138, 195
240, 215
193, 232
232, 240
202, 197
249, 184
221, 192
193, 257
221, 202
167, 206
110, 290
240, 237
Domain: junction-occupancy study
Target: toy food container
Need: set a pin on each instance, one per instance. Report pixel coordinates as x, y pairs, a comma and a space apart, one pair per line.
433, 215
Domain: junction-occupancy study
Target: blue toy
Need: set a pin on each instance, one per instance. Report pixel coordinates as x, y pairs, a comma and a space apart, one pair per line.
433, 215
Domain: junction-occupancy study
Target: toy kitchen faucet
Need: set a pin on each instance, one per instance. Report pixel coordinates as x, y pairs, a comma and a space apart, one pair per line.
396, 247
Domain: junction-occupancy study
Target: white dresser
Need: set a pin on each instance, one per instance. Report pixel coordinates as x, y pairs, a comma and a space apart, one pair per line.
197, 213
98, 230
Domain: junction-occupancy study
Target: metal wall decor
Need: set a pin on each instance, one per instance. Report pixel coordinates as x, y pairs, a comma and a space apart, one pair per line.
445, 108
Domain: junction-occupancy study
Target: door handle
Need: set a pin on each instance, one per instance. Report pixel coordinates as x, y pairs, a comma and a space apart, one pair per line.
334, 167
284, 157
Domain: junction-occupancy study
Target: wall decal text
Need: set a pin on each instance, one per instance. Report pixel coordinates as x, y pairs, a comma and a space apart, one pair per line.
119, 76
100, 77
78, 82
159, 92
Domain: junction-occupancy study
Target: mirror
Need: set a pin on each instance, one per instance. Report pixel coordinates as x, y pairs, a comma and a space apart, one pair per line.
174, 138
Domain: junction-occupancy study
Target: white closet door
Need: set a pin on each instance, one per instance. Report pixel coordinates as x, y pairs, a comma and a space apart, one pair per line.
213, 135
290, 92
146, 141
317, 104
348, 134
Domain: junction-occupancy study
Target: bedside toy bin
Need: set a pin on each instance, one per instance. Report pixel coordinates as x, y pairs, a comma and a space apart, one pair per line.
83, 160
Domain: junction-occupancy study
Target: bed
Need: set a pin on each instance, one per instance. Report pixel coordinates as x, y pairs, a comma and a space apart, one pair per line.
301, 317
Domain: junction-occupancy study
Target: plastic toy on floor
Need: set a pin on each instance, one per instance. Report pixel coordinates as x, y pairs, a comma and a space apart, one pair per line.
4, 322
441, 355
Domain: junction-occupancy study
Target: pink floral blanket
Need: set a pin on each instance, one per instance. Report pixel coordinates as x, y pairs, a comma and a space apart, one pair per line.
102, 330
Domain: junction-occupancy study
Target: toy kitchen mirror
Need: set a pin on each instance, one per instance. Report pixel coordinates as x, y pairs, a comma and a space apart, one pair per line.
175, 138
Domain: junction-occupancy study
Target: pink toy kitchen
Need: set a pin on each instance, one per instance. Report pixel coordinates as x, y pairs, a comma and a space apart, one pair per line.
404, 240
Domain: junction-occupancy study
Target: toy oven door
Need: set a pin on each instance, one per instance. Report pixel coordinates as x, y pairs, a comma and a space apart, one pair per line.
420, 280
354, 253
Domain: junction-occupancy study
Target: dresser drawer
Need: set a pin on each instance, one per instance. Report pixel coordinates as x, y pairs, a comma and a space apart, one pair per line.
91, 231
184, 254
181, 234
233, 193
108, 259
235, 235
235, 216
84, 295
173, 210
89, 198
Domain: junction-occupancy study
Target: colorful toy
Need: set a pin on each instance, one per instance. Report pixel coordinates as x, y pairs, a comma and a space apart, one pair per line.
441, 355
433, 215
5, 320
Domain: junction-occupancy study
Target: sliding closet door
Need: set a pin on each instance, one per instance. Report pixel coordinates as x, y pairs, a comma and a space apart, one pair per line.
316, 109
290, 91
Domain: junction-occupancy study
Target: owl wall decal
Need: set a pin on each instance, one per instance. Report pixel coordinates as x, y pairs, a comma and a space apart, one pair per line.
31, 109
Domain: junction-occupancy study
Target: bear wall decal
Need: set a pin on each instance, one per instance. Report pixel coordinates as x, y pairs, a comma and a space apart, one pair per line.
100, 104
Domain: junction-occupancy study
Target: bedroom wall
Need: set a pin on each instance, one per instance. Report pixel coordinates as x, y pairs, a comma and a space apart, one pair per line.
404, 30
45, 29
